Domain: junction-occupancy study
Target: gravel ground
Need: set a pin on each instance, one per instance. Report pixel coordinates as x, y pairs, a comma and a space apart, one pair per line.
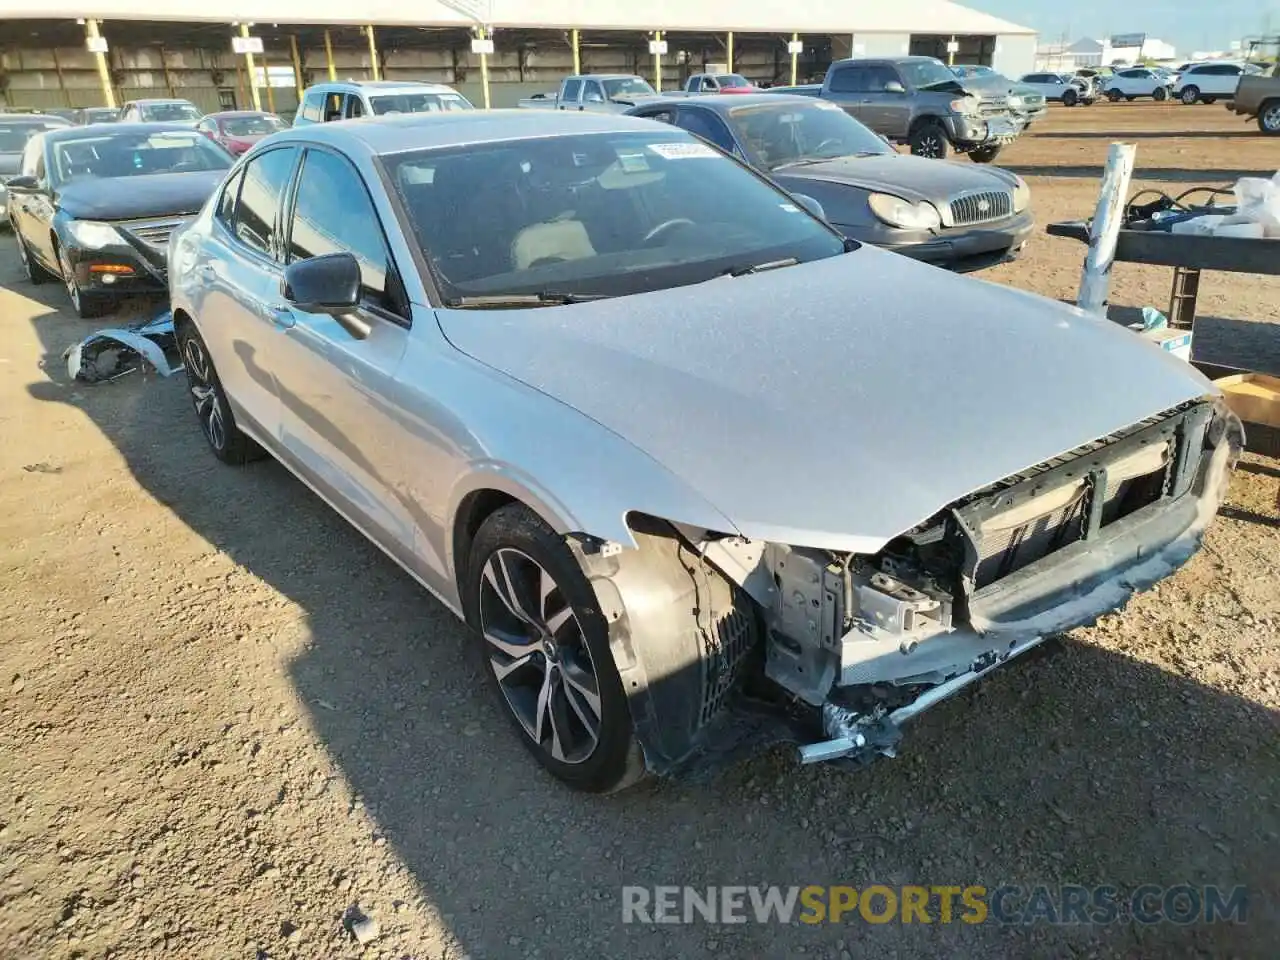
226, 720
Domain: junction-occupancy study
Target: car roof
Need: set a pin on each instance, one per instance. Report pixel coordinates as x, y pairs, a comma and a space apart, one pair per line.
114, 129
425, 131
724, 102
34, 118
384, 86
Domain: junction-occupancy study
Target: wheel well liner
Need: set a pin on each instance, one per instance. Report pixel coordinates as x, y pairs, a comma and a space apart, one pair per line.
476, 507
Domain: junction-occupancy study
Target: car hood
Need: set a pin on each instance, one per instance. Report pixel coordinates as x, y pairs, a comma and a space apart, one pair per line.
835, 404
126, 198
910, 177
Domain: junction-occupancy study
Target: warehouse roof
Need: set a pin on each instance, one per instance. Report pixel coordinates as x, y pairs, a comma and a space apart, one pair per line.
813, 16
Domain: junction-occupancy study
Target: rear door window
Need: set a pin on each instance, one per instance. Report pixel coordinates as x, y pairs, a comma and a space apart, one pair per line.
256, 213
571, 90
849, 80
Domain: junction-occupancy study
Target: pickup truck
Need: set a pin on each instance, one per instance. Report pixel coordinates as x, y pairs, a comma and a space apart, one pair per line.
1258, 96
718, 83
919, 102
594, 92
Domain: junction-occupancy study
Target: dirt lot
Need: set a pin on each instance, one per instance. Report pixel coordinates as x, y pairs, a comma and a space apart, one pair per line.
226, 718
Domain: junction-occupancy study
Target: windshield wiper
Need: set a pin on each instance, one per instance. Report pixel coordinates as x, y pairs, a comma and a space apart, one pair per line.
759, 267
517, 300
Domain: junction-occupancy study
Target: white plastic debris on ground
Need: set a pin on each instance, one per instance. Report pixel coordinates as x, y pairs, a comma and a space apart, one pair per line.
115, 351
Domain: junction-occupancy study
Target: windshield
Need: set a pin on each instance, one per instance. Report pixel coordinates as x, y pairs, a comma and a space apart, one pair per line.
596, 215
926, 74
733, 80
626, 87
170, 112
14, 136
258, 126
134, 155
777, 134
418, 103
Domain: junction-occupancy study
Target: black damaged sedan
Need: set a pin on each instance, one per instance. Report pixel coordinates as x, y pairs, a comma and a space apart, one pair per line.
956, 215
94, 206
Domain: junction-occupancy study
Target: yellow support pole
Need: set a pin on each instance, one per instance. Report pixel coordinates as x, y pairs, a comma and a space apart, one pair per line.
577, 56
252, 70
266, 77
297, 64
795, 61
328, 56
729, 51
104, 73
657, 63
484, 68
373, 52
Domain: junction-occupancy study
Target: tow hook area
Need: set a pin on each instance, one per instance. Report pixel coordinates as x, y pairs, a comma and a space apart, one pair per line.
857, 737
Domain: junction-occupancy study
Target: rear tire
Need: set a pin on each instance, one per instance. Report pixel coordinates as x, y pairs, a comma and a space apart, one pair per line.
1210, 100
929, 140
1160, 95
213, 411
1269, 118
541, 633
1070, 98
1190, 95
1114, 96
985, 154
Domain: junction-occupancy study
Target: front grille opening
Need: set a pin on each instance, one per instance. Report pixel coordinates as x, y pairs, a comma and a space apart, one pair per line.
981, 207
1136, 482
1012, 540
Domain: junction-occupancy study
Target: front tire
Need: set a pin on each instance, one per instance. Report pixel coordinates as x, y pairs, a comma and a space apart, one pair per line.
929, 140
1070, 98
985, 154
1160, 95
1114, 96
1190, 95
85, 305
217, 422
31, 269
545, 648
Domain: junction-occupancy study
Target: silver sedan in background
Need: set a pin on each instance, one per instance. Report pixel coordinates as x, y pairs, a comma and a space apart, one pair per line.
698, 471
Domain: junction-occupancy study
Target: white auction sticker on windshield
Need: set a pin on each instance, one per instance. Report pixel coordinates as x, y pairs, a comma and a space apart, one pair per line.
682, 151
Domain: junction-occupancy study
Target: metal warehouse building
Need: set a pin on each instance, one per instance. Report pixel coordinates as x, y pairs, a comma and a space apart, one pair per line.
101, 51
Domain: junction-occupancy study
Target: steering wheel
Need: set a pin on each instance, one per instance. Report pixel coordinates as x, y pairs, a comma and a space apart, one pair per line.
663, 228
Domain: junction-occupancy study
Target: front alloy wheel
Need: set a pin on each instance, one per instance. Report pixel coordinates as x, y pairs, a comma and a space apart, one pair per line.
545, 647
1190, 95
84, 305
930, 141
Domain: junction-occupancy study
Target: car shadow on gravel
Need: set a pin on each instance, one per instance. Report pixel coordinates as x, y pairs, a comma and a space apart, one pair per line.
1082, 766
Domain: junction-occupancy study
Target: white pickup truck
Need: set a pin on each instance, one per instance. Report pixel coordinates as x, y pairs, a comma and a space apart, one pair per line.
596, 92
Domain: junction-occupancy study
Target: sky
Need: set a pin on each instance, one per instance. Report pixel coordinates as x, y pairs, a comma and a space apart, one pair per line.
1187, 24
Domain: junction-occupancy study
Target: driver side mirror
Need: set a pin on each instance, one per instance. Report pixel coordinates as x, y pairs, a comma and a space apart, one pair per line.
328, 284
811, 205
893, 86
22, 185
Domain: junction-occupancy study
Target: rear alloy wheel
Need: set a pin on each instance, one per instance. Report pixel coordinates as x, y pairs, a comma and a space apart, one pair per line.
1161, 94
546, 650
929, 140
85, 305
1269, 118
210, 401
1114, 95
35, 273
1190, 95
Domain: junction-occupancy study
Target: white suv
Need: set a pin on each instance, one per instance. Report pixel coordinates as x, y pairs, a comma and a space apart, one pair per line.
1207, 82
1136, 82
348, 99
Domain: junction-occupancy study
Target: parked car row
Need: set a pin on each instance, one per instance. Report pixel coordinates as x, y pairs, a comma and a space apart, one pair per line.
526, 355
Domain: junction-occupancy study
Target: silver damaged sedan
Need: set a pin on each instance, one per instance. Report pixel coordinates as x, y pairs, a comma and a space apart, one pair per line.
701, 474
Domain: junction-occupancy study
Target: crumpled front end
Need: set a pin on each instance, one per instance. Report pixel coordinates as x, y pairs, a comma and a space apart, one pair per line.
861, 644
